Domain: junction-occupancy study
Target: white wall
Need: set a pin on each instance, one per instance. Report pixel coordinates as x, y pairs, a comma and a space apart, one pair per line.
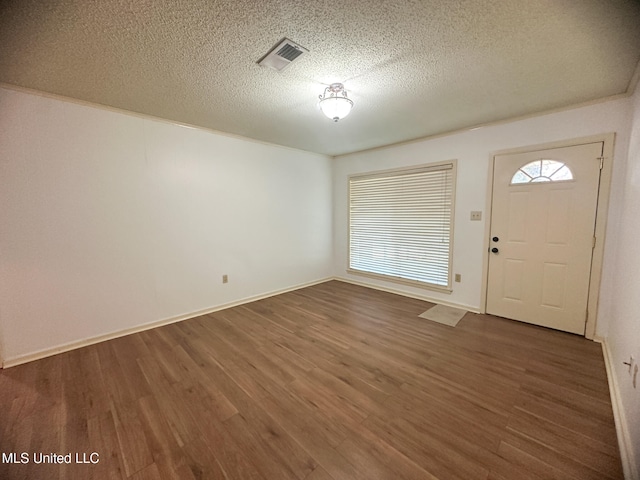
110, 221
473, 149
623, 337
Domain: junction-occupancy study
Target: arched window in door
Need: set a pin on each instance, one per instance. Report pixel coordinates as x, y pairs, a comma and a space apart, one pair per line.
542, 171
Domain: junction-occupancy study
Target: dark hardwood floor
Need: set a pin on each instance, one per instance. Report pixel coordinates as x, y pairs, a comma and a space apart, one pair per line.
333, 381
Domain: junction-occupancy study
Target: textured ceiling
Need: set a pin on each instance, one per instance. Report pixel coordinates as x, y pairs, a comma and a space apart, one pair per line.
413, 68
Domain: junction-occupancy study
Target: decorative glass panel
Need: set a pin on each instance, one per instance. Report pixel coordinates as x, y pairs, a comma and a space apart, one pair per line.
549, 167
542, 171
520, 177
563, 173
532, 169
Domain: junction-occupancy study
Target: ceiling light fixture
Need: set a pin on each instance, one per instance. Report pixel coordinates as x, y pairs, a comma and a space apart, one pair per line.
334, 102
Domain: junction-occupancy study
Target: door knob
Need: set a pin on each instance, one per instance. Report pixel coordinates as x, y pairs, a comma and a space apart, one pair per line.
494, 250
495, 239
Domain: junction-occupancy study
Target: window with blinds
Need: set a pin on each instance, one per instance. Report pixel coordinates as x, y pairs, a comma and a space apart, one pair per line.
401, 224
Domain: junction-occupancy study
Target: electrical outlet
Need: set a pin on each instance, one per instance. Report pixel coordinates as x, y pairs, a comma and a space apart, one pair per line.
458, 277
225, 278
476, 216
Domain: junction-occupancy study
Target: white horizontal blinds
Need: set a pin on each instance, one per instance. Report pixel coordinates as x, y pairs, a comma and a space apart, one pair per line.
400, 224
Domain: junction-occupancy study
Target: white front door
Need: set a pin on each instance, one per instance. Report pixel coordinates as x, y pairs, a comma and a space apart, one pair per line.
542, 235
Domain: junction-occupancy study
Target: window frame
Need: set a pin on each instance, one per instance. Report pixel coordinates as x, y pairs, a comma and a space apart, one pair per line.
550, 180
441, 165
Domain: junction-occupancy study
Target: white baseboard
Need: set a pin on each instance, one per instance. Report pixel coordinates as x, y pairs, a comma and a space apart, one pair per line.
624, 437
30, 357
426, 298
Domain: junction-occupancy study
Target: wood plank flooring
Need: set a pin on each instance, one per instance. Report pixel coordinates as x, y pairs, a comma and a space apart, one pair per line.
330, 382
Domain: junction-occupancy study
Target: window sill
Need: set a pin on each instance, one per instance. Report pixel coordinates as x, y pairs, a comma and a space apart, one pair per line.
404, 281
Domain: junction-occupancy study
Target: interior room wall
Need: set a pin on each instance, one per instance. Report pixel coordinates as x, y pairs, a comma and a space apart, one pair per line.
110, 221
473, 149
623, 339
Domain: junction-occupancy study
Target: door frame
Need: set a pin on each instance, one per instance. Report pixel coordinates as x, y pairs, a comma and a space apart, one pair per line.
602, 210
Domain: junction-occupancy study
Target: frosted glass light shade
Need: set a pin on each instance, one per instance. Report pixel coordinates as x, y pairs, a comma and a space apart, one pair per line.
336, 108
334, 103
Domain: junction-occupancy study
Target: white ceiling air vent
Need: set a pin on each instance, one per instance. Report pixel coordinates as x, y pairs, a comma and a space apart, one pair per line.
280, 56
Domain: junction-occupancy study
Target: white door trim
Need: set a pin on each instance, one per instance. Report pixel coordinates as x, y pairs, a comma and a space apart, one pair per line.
601, 219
